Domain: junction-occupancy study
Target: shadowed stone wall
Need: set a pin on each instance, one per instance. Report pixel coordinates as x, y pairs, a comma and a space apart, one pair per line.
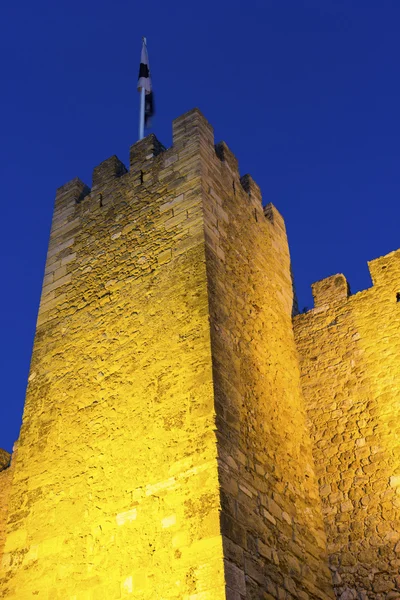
274, 542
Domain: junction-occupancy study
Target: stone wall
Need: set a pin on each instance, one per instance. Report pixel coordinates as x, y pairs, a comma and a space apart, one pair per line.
274, 542
349, 350
116, 487
164, 428
5, 488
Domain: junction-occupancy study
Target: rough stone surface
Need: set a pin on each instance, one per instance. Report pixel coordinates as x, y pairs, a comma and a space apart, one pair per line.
6, 474
165, 451
116, 490
274, 541
5, 458
349, 349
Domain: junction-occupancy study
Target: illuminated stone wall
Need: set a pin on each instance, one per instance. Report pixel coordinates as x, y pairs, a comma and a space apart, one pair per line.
116, 490
5, 488
274, 541
349, 350
164, 452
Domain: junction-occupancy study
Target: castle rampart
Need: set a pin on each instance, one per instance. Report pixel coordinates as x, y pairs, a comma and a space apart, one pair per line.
349, 348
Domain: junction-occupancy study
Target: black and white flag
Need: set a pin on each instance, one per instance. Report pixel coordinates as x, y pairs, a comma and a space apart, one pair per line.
144, 82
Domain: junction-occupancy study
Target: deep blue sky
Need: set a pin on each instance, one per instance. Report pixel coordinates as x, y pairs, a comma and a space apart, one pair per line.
306, 94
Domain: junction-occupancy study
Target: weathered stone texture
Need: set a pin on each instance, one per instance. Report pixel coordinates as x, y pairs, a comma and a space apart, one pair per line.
6, 473
116, 485
350, 363
274, 542
5, 458
163, 452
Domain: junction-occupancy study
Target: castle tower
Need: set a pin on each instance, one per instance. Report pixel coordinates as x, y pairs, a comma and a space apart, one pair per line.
164, 452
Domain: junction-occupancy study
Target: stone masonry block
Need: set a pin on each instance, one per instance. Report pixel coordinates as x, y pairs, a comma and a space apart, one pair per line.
192, 128
386, 270
235, 577
329, 290
70, 193
109, 169
251, 188
227, 156
143, 152
273, 215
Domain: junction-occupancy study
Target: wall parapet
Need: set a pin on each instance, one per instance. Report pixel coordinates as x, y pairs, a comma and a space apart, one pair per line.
331, 289
349, 351
143, 151
110, 168
384, 271
226, 155
191, 134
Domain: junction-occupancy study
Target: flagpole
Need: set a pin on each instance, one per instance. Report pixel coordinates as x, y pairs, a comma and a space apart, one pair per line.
142, 104
141, 113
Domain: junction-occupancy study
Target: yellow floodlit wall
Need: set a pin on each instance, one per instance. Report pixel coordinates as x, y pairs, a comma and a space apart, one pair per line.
164, 452
116, 493
5, 488
350, 362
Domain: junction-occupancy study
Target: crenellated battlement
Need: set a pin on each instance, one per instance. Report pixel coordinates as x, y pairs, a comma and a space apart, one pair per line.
251, 188
349, 354
165, 190
72, 191
189, 130
329, 290
274, 217
143, 152
384, 271
109, 169
150, 162
226, 155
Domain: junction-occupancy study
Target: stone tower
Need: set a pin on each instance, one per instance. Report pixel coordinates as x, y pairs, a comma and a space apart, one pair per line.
164, 452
